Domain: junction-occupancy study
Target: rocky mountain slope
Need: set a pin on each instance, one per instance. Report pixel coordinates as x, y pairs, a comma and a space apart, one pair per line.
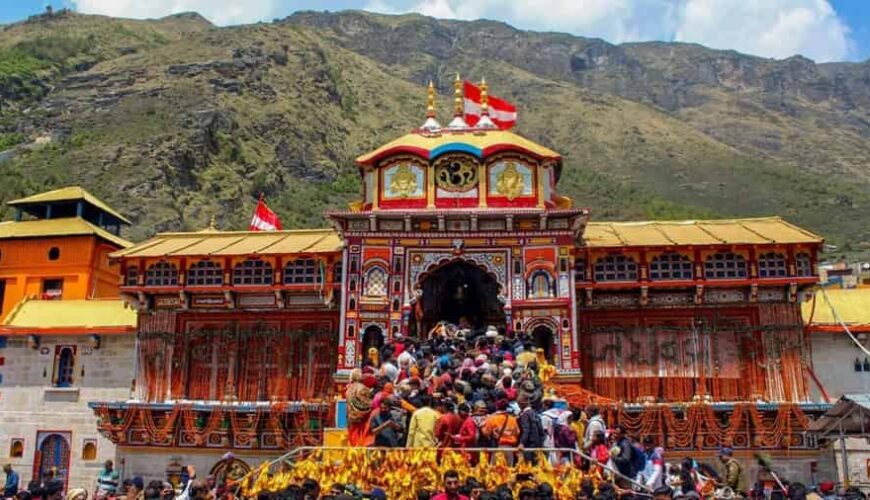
174, 120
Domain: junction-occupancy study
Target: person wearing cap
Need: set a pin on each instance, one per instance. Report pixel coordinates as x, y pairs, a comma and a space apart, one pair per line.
733, 471
828, 490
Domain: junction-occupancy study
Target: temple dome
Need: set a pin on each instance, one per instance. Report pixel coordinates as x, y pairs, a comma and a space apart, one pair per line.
479, 143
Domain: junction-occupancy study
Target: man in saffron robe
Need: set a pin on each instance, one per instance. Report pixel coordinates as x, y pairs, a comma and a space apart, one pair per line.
359, 408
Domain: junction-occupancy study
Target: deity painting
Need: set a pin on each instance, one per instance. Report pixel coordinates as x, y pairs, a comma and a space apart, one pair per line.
403, 181
510, 179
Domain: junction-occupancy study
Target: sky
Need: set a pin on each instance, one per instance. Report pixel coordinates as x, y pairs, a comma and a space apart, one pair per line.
823, 30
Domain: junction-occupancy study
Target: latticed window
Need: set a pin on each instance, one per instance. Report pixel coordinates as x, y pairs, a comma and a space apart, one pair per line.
540, 286
772, 265
205, 273
375, 284
301, 271
615, 268
725, 265
253, 272
132, 277
580, 270
670, 266
161, 274
803, 264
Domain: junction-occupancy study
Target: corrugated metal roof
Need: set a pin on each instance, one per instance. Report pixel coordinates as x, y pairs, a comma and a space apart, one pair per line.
236, 243
40, 314
853, 306
70, 226
767, 230
71, 193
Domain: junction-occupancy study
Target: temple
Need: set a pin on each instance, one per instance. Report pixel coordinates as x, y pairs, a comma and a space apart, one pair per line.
244, 336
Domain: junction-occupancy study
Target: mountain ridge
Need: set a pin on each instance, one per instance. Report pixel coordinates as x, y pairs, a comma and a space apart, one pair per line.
175, 120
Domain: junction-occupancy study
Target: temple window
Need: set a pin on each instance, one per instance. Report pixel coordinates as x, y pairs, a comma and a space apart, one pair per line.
724, 265
670, 266
253, 272
336, 271
89, 449
772, 265
53, 253
301, 271
132, 276
580, 269
205, 273
615, 268
375, 283
803, 264
64, 363
161, 274
16, 449
540, 285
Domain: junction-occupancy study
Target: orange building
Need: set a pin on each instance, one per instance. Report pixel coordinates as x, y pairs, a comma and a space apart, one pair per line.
58, 247
66, 338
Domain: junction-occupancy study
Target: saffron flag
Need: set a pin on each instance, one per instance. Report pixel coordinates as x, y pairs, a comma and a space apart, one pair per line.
264, 219
501, 112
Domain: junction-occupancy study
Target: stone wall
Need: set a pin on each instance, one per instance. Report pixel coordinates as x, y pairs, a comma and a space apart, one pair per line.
151, 463
834, 357
32, 409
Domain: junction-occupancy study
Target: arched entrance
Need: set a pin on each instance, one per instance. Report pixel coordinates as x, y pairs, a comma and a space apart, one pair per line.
373, 336
54, 455
542, 336
460, 291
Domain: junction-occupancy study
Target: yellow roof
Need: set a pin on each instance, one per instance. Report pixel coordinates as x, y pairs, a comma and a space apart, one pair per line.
71, 193
104, 313
69, 226
480, 143
767, 230
236, 243
853, 306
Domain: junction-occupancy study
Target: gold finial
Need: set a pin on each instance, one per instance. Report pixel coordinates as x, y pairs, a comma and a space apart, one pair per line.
457, 97
430, 101
484, 97
213, 223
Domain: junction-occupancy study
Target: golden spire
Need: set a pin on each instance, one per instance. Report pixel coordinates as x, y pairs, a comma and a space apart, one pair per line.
213, 223
430, 101
457, 97
484, 97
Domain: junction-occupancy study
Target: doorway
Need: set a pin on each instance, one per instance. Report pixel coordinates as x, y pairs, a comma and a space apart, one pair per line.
542, 336
54, 455
458, 292
373, 337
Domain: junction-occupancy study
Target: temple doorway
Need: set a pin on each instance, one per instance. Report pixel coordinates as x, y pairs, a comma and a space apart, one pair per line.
460, 292
373, 337
542, 336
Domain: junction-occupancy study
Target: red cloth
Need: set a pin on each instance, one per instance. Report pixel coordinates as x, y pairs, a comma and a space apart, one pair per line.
502, 113
446, 427
467, 437
443, 496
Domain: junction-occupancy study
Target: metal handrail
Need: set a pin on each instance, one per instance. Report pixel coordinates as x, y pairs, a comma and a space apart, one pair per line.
295, 453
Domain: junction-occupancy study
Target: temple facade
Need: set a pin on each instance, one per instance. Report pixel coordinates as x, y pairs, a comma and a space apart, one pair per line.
690, 328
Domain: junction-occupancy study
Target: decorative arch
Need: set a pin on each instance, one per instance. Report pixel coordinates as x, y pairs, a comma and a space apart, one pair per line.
540, 284
493, 265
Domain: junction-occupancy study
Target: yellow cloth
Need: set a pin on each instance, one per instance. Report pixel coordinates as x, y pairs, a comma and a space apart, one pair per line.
421, 433
526, 357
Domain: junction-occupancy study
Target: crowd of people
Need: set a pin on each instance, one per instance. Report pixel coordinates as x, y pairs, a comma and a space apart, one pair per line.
471, 390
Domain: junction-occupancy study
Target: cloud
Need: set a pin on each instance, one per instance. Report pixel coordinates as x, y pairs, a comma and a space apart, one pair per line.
772, 28
768, 28
222, 13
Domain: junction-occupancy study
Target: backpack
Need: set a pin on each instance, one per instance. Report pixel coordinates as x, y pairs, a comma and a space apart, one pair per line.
564, 436
536, 430
638, 459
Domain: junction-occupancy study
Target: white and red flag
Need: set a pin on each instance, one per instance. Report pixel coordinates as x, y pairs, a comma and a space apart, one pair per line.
264, 218
501, 112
